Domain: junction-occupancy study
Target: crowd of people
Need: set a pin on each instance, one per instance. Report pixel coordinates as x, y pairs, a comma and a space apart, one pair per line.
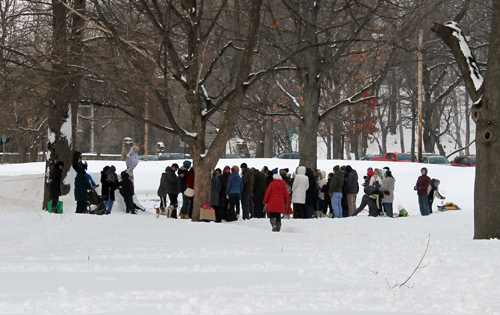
244, 192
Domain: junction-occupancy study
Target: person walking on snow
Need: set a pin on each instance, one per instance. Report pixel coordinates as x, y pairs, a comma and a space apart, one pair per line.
277, 200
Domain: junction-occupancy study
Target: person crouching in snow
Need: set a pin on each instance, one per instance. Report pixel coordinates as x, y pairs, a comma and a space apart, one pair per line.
277, 200
127, 192
434, 192
370, 198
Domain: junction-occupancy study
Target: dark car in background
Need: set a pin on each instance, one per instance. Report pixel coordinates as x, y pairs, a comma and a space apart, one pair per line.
464, 161
172, 156
232, 156
293, 155
369, 157
150, 157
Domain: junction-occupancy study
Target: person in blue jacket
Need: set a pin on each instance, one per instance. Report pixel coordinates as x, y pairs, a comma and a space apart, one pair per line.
82, 185
234, 190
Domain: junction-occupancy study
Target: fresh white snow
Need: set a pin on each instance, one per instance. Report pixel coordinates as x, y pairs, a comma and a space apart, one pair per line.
124, 264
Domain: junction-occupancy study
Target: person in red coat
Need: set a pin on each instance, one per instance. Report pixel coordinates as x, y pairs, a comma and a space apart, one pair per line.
276, 200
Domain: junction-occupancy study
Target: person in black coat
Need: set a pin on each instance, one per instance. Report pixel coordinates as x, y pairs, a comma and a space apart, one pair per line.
127, 191
55, 185
222, 194
311, 193
109, 182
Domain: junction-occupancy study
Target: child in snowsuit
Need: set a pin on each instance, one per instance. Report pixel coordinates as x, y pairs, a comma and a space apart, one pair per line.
433, 192
127, 191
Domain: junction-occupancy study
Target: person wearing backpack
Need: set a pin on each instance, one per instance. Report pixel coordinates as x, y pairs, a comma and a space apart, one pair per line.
109, 182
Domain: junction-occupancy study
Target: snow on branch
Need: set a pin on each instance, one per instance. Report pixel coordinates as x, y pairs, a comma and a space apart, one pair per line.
452, 35
476, 76
294, 99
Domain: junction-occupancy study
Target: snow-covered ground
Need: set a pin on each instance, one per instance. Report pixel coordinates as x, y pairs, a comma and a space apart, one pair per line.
126, 264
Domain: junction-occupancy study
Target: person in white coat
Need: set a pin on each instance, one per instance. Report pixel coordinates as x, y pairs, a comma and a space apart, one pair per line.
299, 188
387, 189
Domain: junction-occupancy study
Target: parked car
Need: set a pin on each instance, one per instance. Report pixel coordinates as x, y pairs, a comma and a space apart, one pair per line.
293, 155
464, 161
171, 156
150, 157
394, 157
369, 157
435, 159
232, 156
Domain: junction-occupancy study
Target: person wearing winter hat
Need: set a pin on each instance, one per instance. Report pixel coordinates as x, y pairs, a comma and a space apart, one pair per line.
422, 187
186, 164
172, 185
276, 201
234, 189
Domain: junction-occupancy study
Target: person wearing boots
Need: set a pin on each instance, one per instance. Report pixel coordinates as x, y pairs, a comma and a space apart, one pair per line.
55, 184
162, 193
276, 201
82, 185
127, 191
173, 187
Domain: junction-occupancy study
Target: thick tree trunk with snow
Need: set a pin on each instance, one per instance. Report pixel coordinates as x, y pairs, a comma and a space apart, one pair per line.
65, 90
486, 115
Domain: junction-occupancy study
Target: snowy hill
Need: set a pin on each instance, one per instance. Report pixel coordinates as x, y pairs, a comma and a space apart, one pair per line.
125, 264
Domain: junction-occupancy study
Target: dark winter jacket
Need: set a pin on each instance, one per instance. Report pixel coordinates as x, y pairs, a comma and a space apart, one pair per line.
434, 191
269, 178
234, 184
247, 178
126, 185
276, 196
259, 182
162, 188
351, 185
172, 183
423, 183
79, 167
222, 193
336, 183
109, 183
215, 190
311, 192
184, 179
82, 185
56, 180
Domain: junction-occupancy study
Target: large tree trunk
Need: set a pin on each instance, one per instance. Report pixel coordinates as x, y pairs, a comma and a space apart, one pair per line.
60, 127
486, 115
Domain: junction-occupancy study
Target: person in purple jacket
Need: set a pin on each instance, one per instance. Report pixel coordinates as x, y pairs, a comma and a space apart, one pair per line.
421, 187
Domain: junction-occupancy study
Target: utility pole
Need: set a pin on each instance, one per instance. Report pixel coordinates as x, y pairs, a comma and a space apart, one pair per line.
420, 92
146, 128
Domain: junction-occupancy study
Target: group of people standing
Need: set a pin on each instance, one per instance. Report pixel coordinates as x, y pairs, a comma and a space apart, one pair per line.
306, 193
